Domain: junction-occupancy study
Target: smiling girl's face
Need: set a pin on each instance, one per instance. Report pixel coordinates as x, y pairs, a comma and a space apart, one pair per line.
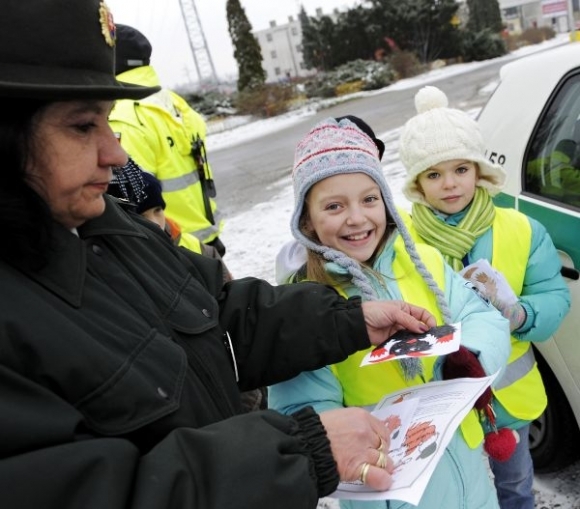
347, 213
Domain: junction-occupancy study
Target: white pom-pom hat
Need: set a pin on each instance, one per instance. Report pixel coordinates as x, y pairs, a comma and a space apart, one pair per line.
439, 133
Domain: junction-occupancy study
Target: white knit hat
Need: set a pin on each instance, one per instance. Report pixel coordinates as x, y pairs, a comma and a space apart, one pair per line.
439, 133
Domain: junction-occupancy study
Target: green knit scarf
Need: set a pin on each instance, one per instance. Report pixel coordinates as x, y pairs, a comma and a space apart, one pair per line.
454, 242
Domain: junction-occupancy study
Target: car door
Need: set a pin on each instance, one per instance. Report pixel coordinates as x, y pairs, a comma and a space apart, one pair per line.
547, 169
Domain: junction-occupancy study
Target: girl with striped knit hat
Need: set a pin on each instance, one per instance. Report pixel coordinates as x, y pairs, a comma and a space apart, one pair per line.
356, 241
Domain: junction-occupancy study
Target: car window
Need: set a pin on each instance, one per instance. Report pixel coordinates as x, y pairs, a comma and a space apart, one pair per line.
552, 162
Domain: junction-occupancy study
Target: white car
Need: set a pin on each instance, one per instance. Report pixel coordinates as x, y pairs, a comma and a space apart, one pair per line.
531, 124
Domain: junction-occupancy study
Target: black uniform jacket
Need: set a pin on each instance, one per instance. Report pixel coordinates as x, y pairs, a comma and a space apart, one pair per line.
117, 382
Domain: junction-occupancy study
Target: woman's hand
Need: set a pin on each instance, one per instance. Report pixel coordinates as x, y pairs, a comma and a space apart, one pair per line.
384, 318
357, 438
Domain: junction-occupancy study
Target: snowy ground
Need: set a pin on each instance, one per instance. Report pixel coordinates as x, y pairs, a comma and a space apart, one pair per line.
254, 238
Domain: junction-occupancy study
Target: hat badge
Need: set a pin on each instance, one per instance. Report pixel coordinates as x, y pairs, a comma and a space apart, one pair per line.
107, 24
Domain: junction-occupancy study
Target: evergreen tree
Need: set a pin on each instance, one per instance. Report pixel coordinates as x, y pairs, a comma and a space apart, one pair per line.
309, 40
318, 41
251, 74
484, 14
352, 38
421, 26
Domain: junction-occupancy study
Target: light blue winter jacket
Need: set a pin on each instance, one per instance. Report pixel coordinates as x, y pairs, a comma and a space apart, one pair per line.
461, 479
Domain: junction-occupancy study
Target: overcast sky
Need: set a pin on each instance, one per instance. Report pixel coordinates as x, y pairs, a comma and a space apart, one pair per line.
163, 25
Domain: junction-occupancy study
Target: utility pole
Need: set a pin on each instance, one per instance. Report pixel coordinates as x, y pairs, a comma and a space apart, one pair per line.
201, 55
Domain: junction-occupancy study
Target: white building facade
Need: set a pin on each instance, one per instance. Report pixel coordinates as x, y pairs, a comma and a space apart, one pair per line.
281, 47
282, 51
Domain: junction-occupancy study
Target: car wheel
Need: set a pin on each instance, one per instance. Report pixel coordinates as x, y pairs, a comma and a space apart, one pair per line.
553, 435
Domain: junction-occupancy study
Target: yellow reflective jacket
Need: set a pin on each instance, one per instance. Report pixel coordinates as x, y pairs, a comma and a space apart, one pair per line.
363, 390
157, 132
521, 390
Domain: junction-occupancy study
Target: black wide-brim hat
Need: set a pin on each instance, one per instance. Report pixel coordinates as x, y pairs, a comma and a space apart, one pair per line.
60, 50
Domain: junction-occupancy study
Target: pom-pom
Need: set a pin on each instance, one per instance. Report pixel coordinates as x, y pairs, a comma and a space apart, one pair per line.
501, 444
429, 98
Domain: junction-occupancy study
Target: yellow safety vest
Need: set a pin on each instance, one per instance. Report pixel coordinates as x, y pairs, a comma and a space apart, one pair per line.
520, 390
157, 133
365, 386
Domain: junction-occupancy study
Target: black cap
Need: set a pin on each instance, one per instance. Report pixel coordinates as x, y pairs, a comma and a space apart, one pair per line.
365, 128
60, 50
133, 49
153, 191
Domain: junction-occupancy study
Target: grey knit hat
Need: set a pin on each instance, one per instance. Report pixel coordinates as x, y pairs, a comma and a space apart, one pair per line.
439, 133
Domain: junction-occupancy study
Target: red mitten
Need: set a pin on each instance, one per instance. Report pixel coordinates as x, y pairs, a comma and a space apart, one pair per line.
464, 364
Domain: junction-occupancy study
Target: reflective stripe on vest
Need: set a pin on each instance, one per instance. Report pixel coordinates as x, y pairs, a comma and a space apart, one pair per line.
145, 128
520, 390
367, 385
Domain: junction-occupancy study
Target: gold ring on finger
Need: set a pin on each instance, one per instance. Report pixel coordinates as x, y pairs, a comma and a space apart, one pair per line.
381, 446
382, 461
364, 471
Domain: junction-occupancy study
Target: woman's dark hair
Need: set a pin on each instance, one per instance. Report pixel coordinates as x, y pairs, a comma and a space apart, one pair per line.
25, 220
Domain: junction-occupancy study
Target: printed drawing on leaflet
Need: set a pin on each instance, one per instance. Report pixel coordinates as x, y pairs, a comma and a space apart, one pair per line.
421, 421
439, 340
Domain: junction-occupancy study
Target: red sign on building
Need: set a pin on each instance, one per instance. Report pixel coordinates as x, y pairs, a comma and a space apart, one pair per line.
554, 8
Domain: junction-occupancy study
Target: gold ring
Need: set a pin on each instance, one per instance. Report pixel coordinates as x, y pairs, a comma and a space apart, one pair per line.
382, 461
363, 473
381, 446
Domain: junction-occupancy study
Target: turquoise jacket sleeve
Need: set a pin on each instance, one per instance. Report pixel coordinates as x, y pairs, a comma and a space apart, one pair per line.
545, 294
319, 389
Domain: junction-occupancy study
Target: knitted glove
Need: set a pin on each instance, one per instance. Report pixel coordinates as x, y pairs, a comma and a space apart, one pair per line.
464, 364
515, 313
497, 291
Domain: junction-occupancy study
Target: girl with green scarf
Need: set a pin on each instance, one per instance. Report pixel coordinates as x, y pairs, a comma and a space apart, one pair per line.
451, 183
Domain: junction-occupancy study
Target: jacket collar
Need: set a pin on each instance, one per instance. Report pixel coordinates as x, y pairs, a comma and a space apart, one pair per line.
65, 273
145, 76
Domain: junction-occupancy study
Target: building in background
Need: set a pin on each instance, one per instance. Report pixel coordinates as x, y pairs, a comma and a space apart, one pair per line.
281, 47
520, 15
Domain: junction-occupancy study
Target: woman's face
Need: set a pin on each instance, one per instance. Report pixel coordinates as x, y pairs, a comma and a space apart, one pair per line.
449, 186
347, 213
71, 165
